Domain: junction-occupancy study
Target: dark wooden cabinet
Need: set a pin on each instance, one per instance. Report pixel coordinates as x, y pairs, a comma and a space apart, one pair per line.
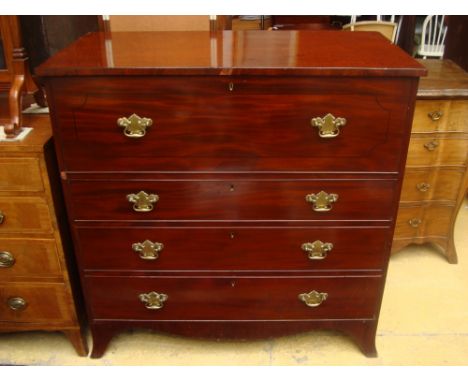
235, 184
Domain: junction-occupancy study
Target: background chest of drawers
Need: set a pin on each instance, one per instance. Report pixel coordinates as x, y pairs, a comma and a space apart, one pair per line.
232, 185
435, 181
35, 291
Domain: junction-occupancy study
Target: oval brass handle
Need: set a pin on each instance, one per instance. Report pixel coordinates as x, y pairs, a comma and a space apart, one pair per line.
317, 250
435, 115
153, 300
432, 145
313, 299
143, 202
17, 303
7, 260
322, 201
423, 187
148, 250
2, 217
134, 126
415, 222
328, 126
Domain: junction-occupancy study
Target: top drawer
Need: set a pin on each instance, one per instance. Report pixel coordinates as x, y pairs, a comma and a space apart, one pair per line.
440, 116
236, 123
20, 174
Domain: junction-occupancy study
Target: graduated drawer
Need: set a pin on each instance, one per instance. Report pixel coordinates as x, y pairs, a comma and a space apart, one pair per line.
235, 248
231, 123
440, 116
423, 220
35, 303
433, 183
232, 200
435, 149
29, 258
20, 174
24, 214
233, 298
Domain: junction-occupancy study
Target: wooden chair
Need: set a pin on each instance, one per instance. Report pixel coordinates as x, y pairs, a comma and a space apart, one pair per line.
165, 23
16, 73
388, 29
432, 37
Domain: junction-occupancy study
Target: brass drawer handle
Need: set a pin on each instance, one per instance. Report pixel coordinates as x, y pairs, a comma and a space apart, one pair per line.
2, 217
143, 202
432, 145
322, 201
153, 300
317, 250
7, 260
313, 299
435, 115
148, 250
134, 126
423, 187
415, 222
328, 126
17, 303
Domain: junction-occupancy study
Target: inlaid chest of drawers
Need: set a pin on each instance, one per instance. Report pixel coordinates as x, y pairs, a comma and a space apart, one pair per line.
35, 291
240, 184
435, 181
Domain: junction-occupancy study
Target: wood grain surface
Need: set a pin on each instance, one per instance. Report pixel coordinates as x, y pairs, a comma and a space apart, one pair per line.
232, 248
282, 53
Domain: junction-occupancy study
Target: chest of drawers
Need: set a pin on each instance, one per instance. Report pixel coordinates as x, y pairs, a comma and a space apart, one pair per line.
35, 291
240, 184
436, 175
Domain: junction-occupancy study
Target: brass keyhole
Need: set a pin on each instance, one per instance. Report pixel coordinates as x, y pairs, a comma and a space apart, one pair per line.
231, 188
231, 235
231, 86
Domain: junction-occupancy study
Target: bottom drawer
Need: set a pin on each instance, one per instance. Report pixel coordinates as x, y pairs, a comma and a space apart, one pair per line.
233, 298
35, 303
424, 220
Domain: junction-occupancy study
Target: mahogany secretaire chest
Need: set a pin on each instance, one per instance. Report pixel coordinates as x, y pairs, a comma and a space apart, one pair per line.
239, 184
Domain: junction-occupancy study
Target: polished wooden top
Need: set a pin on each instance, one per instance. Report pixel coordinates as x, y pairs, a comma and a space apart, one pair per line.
299, 52
445, 79
34, 142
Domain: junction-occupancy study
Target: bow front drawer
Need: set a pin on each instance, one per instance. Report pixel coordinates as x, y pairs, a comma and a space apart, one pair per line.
437, 150
237, 123
434, 183
233, 298
318, 200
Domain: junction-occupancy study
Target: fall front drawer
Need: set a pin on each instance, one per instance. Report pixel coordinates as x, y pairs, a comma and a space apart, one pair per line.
35, 302
269, 123
233, 248
232, 200
233, 298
